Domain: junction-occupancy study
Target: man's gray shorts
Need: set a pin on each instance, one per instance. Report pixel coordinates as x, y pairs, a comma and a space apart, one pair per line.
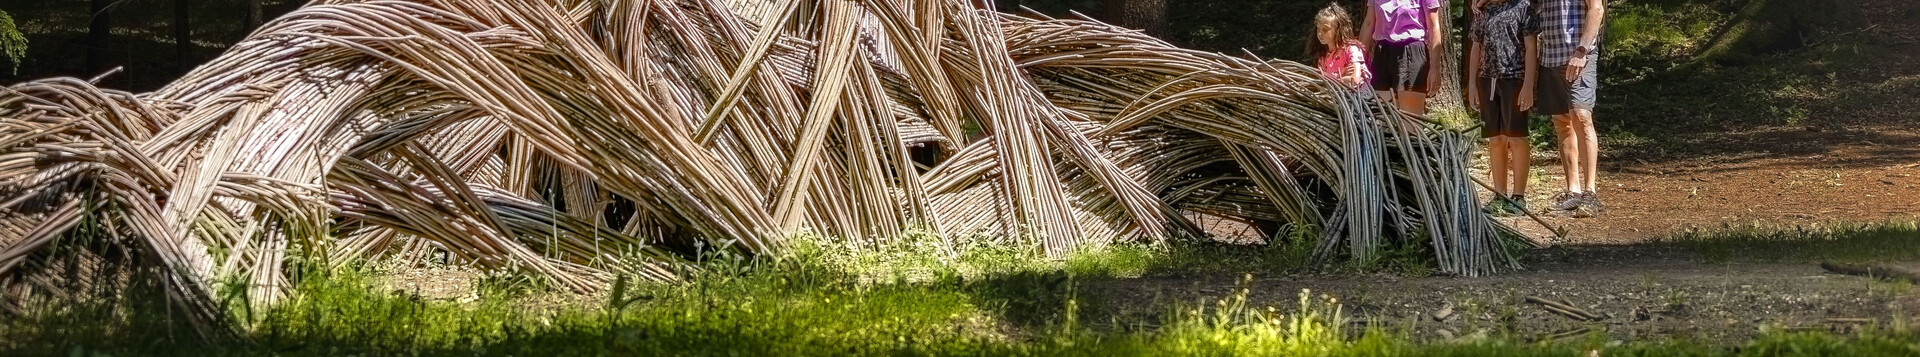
1554, 96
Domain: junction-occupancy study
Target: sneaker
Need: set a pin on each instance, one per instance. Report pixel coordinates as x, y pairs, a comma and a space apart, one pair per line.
1497, 208
1589, 206
1566, 202
1517, 204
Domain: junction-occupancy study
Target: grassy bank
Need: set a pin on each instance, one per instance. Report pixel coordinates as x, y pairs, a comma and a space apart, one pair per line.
1837, 241
902, 301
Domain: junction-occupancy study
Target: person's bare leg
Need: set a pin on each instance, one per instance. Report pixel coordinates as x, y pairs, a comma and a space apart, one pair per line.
1412, 102
1497, 166
1519, 164
1569, 152
1589, 148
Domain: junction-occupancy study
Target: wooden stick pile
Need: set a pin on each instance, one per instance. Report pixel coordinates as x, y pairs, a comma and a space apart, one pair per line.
582, 139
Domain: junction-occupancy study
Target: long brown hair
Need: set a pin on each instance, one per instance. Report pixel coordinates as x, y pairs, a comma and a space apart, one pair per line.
1335, 16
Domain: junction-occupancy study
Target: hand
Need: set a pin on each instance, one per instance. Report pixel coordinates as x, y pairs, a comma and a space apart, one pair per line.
1574, 66
1433, 81
1473, 97
1525, 101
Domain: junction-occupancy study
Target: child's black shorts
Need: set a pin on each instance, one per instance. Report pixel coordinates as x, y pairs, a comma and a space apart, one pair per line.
1500, 108
1400, 67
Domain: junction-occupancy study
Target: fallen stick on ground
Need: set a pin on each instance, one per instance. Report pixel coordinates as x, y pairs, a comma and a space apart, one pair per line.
1559, 233
1565, 309
1878, 271
1565, 334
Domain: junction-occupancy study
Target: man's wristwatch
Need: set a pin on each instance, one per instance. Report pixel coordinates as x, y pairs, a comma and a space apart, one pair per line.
1584, 49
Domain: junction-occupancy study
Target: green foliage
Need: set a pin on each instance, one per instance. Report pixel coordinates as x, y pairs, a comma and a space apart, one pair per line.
1766, 27
12, 43
1647, 38
1677, 73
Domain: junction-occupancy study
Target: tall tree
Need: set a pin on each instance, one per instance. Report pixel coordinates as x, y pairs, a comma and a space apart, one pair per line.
99, 34
183, 35
255, 15
1148, 15
1449, 95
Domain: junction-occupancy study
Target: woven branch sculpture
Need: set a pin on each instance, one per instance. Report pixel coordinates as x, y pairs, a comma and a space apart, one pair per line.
584, 139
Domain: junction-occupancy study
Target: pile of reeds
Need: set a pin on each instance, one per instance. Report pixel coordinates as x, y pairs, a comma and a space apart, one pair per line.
584, 139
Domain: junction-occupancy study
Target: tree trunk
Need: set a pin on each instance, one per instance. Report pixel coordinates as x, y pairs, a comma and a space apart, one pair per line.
182, 36
98, 36
255, 15
1450, 96
1147, 15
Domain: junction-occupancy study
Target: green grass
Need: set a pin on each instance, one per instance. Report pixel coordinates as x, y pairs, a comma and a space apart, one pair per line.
1841, 242
981, 302
1678, 75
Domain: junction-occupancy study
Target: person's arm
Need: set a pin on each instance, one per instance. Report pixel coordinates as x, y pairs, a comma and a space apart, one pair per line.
1435, 49
1366, 31
1531, 47
1473, 69
1589, 37
1356, 62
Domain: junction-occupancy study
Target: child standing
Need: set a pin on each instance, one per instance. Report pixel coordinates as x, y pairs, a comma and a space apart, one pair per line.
1400, 32
1336, 48
1502, 53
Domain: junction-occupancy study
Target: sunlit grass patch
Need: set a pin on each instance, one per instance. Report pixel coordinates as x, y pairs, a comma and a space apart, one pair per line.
1843, 241
974, 303
765, 311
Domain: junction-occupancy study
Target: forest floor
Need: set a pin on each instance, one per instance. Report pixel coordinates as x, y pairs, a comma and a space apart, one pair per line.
1687, 246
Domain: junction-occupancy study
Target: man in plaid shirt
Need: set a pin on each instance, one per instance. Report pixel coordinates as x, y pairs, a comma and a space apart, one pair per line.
1569, 46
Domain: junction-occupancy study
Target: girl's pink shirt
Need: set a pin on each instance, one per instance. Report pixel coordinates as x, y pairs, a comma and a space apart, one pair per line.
1334, 66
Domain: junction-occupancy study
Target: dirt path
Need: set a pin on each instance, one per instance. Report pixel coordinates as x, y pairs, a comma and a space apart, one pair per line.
1856, 163
1643, 294
1779, 177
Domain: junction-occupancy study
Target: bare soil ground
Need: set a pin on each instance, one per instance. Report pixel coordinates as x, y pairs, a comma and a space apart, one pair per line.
1641, 294
1779, 176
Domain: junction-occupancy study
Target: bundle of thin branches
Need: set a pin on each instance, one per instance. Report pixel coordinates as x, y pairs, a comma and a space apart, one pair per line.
579, 140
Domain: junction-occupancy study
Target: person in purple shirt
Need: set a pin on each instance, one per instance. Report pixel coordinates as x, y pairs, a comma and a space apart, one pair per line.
1399, 32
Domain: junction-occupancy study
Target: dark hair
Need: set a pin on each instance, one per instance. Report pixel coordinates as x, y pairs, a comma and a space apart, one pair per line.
1483, 4
1342, 24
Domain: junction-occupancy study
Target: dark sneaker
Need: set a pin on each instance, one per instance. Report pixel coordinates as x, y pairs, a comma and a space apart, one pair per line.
1517, 204
1566, 202
1589, 206
1497, 208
